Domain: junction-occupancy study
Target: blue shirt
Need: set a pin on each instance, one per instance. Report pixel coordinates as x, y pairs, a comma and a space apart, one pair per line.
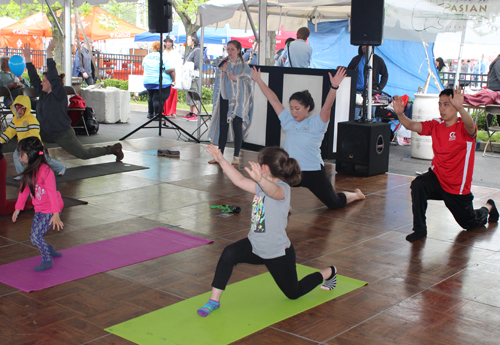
303, 139
151, 65
300, 54
361, 71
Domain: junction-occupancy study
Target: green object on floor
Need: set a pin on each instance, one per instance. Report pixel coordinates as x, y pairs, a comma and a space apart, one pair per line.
246, 307
227, 208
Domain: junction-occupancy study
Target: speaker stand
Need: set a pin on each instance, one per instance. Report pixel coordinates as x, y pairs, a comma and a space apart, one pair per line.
160, 117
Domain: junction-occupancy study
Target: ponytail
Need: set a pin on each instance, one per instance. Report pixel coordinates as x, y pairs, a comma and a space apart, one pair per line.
280, 164
33, 148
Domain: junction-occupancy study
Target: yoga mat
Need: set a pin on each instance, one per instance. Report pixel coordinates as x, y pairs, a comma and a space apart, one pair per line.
246, 307
88, 171
93, 258
69, 202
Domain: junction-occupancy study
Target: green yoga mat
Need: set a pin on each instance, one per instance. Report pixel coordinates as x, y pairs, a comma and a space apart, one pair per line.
246, 307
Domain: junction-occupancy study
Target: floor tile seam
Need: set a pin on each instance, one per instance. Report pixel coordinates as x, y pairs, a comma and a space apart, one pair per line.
344, 220
295, 335
142, 283
10, 293
344, 248
10, 244
98, 338
474, 185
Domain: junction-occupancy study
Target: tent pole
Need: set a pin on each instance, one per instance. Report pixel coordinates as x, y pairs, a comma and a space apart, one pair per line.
67, 43
459, 64
252, 25
201, 70
261, 58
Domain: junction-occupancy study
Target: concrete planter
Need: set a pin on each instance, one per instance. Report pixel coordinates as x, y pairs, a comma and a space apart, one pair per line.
480, 146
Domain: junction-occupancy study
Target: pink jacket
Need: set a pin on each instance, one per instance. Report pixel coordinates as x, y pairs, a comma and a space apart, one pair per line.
46, 199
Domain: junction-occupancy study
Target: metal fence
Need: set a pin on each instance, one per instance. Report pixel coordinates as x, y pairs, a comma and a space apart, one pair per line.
111, 66
476, 81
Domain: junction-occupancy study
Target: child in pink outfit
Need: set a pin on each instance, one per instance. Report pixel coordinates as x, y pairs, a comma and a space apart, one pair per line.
39, 181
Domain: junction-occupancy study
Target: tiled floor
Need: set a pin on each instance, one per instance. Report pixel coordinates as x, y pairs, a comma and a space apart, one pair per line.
442, 290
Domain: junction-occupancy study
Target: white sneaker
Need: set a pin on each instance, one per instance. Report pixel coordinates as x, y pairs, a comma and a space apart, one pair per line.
17, 178
61, 173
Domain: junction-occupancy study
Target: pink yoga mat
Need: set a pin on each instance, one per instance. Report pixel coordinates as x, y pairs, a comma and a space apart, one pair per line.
93, 258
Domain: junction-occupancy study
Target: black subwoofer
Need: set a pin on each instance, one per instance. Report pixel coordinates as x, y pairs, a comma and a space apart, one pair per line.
160, 16
367, 22
363, 148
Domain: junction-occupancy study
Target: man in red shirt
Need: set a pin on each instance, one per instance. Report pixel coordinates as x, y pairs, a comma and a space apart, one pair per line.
450, 175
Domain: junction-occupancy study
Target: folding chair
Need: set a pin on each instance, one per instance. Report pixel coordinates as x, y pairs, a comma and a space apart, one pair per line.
204, 118
4, 110
70, 91
31, 93
495, 110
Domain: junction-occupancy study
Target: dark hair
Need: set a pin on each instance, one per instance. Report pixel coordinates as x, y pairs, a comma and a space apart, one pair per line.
61, 76
304, 98
303, 33
441, 64
280, 164
32, 146
195, 39
237, 44
289, 40
168, 39
446, 92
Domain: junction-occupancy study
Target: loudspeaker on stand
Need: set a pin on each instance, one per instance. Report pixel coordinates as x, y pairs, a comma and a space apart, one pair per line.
160, 16
367, 22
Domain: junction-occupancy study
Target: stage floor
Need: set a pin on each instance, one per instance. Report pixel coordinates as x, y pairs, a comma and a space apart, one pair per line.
441, 290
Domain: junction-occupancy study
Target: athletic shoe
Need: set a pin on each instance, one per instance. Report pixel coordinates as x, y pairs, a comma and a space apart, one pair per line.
192, 118
186, 116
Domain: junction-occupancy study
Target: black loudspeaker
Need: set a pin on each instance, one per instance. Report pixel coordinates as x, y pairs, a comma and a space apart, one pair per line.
160, 16
363, 148
367, 22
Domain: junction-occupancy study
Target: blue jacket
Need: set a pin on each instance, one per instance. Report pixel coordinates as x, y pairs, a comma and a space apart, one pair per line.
79, 68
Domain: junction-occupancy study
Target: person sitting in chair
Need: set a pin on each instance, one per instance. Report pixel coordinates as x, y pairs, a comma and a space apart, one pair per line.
11, 81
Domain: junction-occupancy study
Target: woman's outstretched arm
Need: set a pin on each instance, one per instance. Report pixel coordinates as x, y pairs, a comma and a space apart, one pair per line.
270, 95
330, 98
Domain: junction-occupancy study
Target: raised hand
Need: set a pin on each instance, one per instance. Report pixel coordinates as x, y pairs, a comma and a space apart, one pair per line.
255, 171
215, 152
339, 76
51, 46
398, 105
457, 101
27, 52
256, 74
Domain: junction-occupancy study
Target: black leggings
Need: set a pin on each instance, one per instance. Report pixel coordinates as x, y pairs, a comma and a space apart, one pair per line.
319, 184
155, 96
282, 269
427, 187
224, 128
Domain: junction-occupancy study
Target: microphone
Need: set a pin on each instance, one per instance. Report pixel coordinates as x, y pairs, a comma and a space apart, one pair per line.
223, 62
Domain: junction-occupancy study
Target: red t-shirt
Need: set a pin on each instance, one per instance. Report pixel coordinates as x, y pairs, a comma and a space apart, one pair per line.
454, 153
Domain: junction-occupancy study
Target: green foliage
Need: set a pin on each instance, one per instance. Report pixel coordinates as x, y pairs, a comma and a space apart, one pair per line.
483, 136
120, 84
481, 122
14, 11
207, 95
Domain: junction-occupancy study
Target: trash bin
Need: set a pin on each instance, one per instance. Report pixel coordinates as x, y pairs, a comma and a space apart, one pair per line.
76, 82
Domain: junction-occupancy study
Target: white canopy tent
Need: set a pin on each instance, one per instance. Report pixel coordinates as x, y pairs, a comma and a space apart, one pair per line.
66, 29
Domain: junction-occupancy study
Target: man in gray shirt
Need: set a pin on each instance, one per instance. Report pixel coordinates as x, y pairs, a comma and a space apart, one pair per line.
298, 53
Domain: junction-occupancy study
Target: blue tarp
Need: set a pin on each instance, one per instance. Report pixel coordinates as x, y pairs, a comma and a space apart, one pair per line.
405, 60
212, 35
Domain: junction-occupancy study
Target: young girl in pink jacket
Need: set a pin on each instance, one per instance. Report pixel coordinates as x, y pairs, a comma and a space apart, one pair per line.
39, 181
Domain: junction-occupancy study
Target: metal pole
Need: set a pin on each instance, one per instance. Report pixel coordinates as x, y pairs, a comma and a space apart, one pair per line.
67, 43
250, 20
459, 64
369, 50
261, 58
202, 67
